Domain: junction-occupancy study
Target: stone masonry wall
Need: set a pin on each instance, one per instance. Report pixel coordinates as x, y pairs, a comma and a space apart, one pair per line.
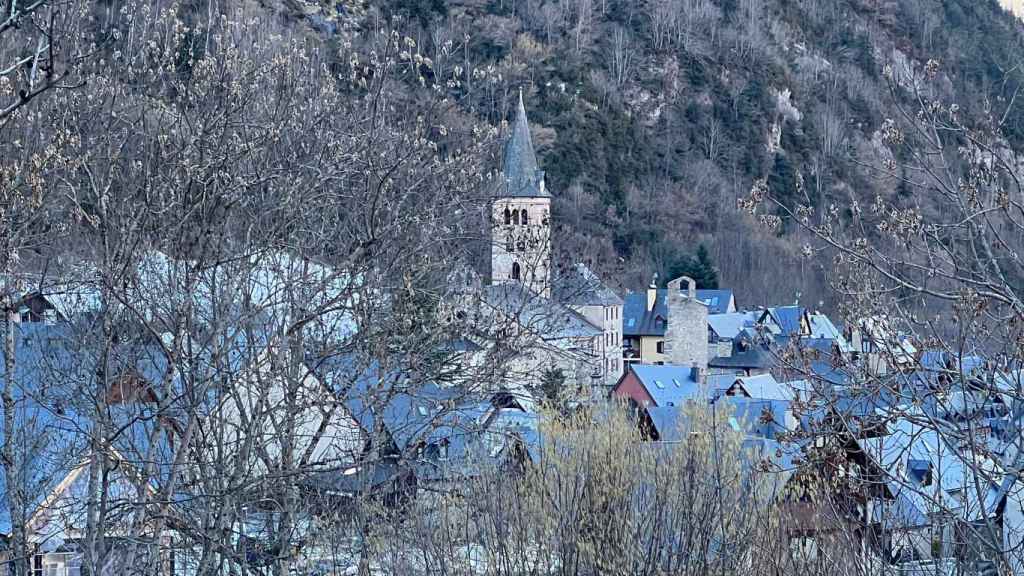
686, 333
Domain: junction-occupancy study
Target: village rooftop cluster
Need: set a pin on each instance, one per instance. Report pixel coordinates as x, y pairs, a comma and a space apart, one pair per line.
785, 374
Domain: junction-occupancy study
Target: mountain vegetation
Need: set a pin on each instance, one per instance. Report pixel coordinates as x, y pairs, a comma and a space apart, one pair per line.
653, 117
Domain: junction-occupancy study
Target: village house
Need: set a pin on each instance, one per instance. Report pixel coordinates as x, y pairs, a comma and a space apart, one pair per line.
648, 335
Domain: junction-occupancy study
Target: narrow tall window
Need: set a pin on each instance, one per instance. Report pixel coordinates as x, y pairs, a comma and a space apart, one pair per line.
510, 244
516, 274
515, 216
508, 217
525, 217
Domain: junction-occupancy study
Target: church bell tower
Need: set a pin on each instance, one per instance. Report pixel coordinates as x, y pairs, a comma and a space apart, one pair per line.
521, 215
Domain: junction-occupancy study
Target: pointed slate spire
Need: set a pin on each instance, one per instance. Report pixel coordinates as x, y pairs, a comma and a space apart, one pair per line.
522, 177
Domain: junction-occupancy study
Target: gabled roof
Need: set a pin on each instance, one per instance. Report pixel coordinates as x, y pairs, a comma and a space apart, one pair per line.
717, 301
542, 316
579, 286
665, 420
765, 387
522, 177
954, 478
731, 324
271, 283
668, 385
637, 320
56, 370
406, 410
788, 318
753, 357
760, 417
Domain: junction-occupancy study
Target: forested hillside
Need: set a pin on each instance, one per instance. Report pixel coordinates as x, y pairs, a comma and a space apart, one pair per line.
653, 117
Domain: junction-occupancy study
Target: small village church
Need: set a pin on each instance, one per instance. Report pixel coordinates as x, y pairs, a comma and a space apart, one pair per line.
575, 318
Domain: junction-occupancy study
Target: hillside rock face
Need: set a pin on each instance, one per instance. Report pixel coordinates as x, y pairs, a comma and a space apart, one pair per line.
652, 117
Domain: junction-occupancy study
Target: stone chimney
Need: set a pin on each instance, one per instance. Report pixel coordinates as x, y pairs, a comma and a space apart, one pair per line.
652, 293
686, 334
697, 374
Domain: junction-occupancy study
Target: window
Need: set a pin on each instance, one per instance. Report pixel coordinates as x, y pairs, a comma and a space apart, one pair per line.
516, 273
515, 217
508, 217
510, 244
525, 217
660, 347
521, 245
659, 384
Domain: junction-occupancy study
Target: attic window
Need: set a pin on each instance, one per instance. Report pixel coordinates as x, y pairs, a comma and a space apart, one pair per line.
631, 323
423, 411
676, 382
659, 384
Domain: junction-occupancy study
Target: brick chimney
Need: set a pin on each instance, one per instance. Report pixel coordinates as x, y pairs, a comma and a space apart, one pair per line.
686, 334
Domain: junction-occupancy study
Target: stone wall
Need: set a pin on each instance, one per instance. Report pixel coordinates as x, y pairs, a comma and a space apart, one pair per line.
530, 242
686, 334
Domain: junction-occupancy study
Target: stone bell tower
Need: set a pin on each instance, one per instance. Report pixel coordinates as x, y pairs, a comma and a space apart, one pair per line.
521, 215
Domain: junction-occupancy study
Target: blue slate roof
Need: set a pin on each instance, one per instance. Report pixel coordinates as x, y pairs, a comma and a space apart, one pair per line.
786, 317
579, 286
748, 357
728, 326
826, 372
823, 328
910, 450
717, 301
668, 385
637, 320
48, 378
523, 178
407, 410
542, 316
665, 420
940, 360
761, 418
54, 384
765, 387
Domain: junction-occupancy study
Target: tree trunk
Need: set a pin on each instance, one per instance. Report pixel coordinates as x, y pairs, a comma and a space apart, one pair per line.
12, 472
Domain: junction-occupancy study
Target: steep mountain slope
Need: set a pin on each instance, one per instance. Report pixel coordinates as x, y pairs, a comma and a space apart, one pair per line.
653, 117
